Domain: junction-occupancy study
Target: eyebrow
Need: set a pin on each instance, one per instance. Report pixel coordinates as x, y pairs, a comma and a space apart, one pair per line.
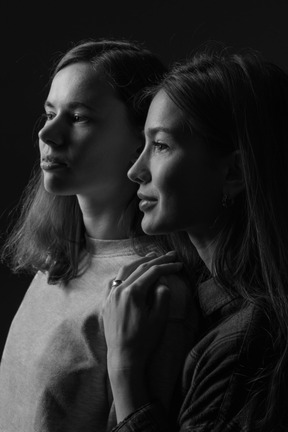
153, 131
72, 105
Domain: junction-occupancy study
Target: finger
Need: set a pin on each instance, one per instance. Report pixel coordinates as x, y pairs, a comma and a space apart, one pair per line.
151, 255
161, 304
146, 265
147, 279
127, 269
162, 296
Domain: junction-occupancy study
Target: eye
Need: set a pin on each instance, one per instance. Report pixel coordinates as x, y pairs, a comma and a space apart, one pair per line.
160, 146
77, 118
48, 116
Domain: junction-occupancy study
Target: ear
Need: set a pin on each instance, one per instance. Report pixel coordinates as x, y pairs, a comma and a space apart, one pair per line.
234, 180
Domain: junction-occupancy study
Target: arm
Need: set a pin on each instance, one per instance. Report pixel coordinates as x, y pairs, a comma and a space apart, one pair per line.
216, 398
135, 317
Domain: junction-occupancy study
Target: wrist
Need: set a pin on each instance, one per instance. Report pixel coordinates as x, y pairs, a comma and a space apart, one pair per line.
129, 388
126, 372
122, 364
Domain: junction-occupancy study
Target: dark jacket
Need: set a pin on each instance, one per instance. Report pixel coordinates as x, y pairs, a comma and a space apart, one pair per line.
218, 380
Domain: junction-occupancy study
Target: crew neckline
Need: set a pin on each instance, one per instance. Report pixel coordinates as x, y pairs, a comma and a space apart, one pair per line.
120, 247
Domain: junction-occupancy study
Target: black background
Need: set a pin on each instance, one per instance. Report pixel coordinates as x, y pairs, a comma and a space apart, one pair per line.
33, 33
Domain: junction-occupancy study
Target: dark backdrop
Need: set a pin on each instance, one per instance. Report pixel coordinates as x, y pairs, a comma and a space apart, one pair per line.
35, 33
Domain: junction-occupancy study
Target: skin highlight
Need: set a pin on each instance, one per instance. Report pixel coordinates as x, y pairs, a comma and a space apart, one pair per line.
95, 144
185, 180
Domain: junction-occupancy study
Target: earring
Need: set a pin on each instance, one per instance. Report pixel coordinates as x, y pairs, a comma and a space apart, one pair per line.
227, 201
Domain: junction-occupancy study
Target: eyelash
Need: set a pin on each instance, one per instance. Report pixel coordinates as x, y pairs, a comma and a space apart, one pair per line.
159, 146
48, 116
76, 118
80, 118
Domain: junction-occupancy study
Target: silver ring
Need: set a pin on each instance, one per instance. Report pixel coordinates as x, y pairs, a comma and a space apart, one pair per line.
116, 282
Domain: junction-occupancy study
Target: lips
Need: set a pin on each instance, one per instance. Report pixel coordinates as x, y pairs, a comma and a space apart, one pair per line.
51, 162
146, 197
146, 202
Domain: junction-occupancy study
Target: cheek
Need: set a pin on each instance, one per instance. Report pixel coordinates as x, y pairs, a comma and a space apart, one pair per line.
189, 192
174, 181
104, 165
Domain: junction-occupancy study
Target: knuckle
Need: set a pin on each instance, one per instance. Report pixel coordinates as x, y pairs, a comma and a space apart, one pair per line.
144, 265
127, 293
154, 269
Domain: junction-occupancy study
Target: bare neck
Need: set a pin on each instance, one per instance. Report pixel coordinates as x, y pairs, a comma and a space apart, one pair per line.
205, 245
103, 222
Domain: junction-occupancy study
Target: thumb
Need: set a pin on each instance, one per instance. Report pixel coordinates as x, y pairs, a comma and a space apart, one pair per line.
161, 304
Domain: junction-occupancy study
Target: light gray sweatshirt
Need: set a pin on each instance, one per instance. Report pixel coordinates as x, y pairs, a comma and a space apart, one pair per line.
53, 374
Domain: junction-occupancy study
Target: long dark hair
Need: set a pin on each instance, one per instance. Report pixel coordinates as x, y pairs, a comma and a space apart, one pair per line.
49, 233
237, 100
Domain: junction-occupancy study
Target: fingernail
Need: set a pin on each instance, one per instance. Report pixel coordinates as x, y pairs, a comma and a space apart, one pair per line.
151, 254
172, 253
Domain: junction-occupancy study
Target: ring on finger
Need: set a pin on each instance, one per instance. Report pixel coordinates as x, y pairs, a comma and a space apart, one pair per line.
116, 282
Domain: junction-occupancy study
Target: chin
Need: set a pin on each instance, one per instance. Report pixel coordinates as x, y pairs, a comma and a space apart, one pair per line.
153, 227
57, 190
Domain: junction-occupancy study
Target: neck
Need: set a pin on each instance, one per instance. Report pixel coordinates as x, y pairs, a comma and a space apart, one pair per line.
205, 245
205, 237
102, 222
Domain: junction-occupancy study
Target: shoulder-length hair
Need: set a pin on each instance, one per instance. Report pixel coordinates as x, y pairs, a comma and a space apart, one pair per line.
49, 234
237, 100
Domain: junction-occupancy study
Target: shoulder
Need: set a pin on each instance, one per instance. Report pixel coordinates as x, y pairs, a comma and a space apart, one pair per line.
242, 336
38, 289
237, 330
221, 368
228, 319
39, 279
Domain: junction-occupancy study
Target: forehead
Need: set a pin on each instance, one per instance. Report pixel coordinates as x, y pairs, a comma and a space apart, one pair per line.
164, 114
81, 82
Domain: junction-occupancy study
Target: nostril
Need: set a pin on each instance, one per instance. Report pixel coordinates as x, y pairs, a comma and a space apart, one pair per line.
138, 180
133, 177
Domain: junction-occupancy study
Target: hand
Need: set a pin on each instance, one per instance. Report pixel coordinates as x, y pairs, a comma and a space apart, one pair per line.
134, 316
135, 312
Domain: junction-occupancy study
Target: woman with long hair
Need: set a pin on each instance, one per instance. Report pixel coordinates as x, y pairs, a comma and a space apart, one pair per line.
79, 223
214, 165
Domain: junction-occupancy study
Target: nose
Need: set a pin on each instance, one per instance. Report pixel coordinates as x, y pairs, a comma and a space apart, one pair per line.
140, 172
51, 133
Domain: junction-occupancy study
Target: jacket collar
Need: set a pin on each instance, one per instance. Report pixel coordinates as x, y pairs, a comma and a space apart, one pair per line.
213, 297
